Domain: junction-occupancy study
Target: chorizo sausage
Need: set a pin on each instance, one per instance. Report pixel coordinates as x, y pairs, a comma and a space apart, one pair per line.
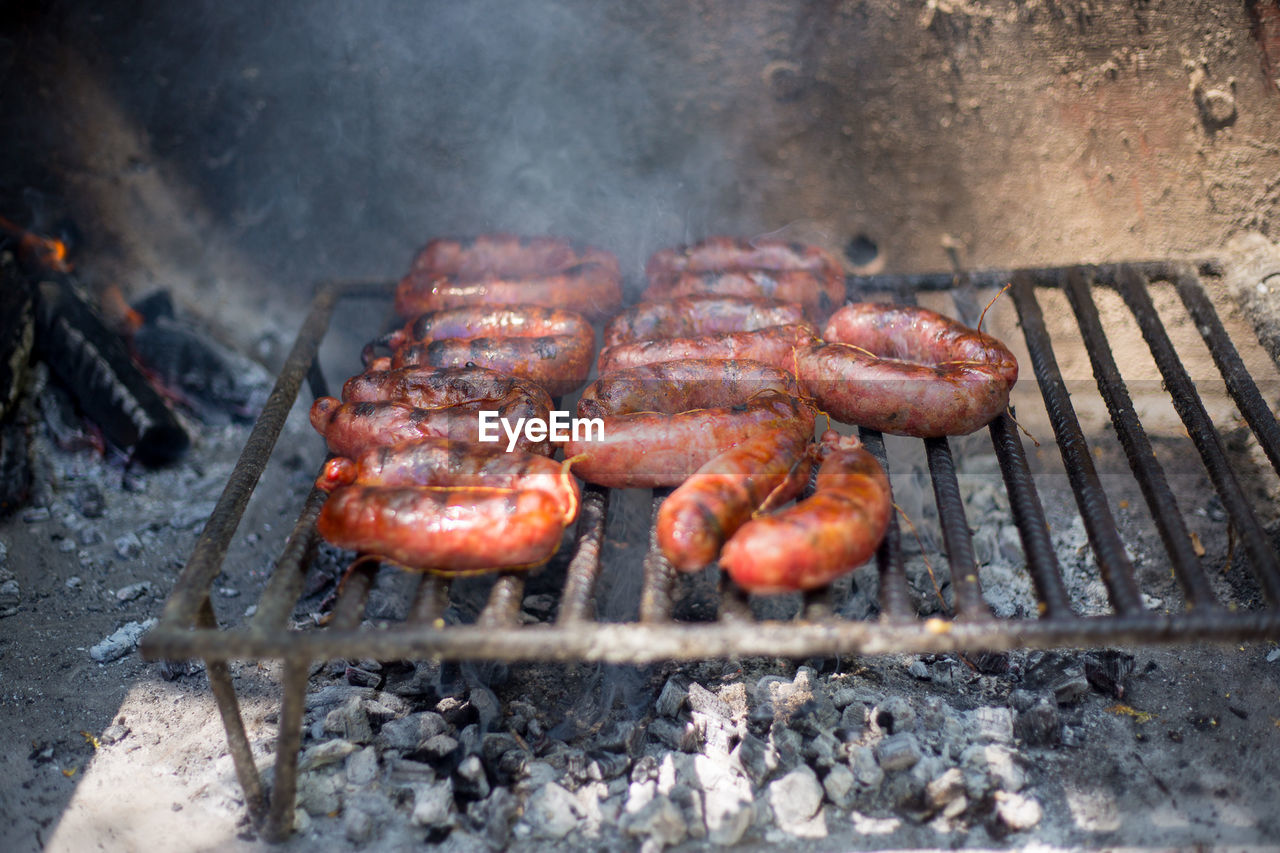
427, 388
662, 422
448, 531
695, 316
908, 371
709, 507
817, 540
350, 429
545, 345
439, 462
774, 346
819, 295
729, 253
593, 288
495, 255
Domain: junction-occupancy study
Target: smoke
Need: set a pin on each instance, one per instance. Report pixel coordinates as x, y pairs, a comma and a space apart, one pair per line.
335, 138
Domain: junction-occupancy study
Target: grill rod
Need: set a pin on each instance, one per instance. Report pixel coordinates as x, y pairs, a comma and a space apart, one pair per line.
1142, 459
1108, 549
1133, 289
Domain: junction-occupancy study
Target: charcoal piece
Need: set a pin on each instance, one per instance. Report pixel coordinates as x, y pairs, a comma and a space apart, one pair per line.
1038, 724
110, 389
215, 383
15, 466
609, 765
17, 332
1107, 671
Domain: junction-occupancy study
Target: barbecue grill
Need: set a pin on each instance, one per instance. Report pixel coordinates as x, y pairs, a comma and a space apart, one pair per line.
188, 627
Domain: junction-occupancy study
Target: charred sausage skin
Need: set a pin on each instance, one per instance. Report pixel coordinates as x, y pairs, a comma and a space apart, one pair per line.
439, 462
662, 422
695, 316
447, 531
814, 542
545, 345
908, 371
351, 429
696, 519
775, 346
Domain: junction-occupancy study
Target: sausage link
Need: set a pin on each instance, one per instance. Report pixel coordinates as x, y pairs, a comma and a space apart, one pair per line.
817, 540
908, 371
545, 345
818, 294
450, 532
439, 462
350, 429
670, 387
593, 288
775, 346
662, 422
695, 316
729, 253
497, 255
427, 388
696, 519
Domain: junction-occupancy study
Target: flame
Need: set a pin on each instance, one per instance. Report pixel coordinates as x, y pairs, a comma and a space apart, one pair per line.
49, 253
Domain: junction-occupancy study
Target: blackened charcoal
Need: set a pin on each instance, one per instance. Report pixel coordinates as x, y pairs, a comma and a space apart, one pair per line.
686, 737
673, 696
216, 383
991, 663
1038, 723
469, 780
17, 332
622, 736
15, 466
93, 363
1107, 670
704, 701
457, 712
610, 765
362, 678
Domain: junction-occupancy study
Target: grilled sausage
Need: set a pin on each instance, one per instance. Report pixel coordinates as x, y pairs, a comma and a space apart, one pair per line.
817, 294
439, 462
791, 272
498, 255
817, 540
774, 346
455, 531
908, 371
592, 288
548, 346
662, 422
696, 519
350, 429
695, 316
428, 388
729, 253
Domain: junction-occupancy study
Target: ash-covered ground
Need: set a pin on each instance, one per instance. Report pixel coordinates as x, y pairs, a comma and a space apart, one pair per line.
1102, 747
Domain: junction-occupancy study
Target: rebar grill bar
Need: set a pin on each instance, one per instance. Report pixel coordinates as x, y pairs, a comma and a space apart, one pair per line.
1137, 447
1133, 288
188, 628
1117, 571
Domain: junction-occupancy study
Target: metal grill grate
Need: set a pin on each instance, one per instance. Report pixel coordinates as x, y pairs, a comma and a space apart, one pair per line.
188, 628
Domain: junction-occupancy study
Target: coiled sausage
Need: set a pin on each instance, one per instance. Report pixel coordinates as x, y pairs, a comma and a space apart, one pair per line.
817, 540
709, 507
908, 371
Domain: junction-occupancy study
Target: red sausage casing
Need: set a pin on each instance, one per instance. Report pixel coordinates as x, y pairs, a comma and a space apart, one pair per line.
817, 540
908, 371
